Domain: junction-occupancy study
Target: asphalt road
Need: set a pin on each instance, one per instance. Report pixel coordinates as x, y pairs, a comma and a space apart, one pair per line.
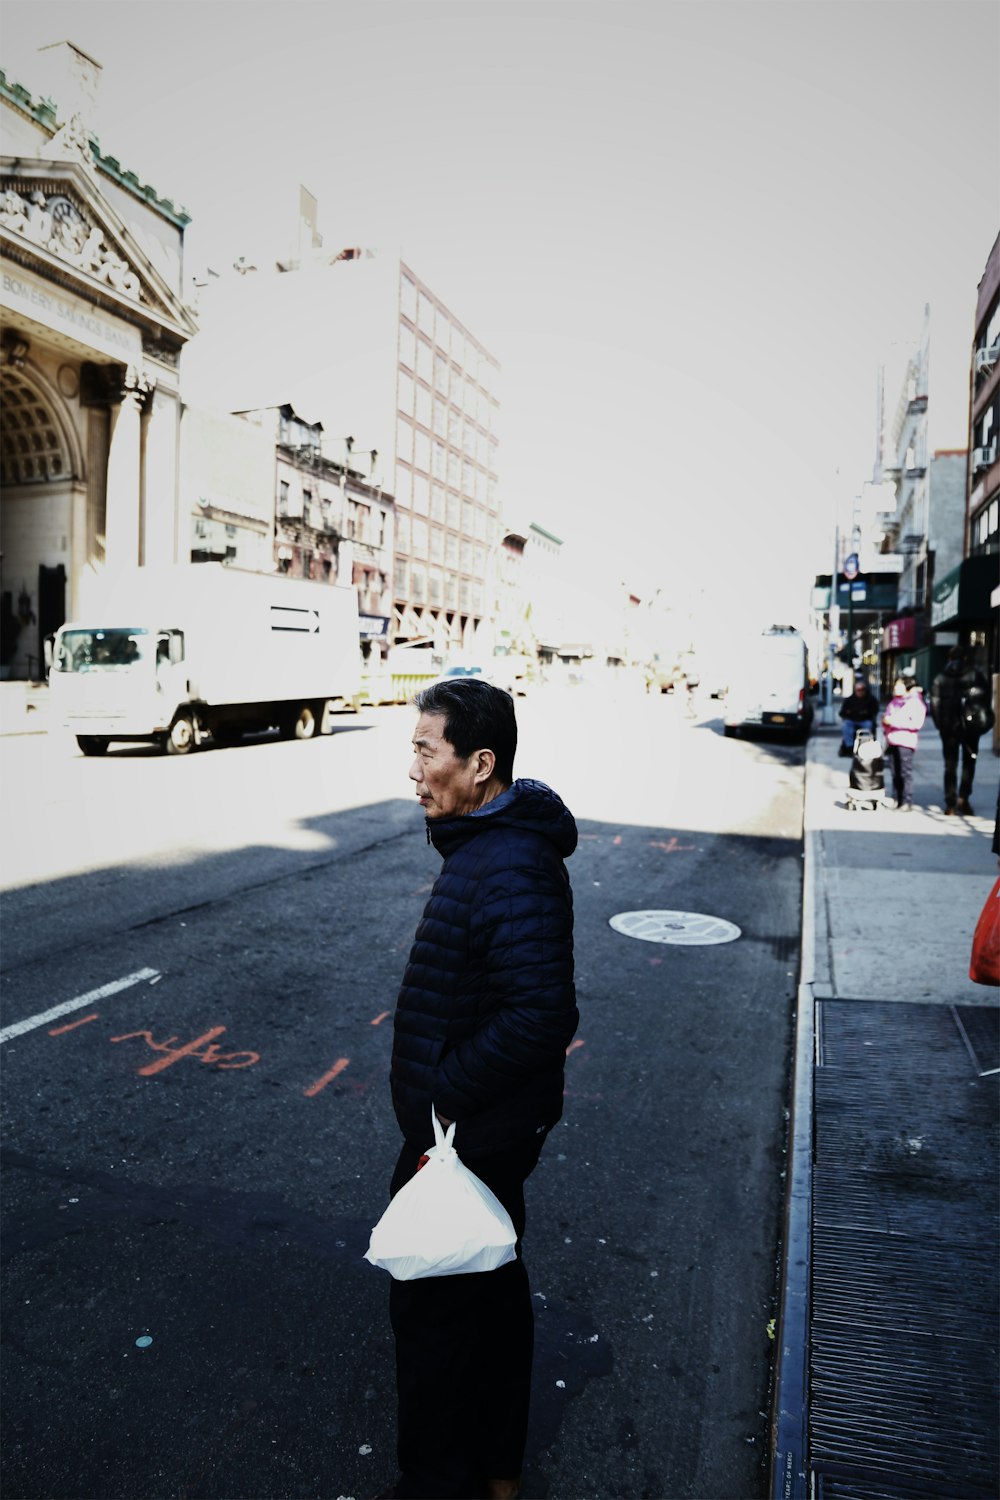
193, 1161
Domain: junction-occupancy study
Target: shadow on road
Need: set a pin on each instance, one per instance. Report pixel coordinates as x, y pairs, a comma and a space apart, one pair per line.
198, 1160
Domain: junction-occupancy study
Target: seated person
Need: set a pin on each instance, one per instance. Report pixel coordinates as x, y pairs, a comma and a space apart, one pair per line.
859, 711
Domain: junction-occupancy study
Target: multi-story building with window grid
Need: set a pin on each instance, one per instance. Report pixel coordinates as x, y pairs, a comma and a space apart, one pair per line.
356, 339
445, 473
983, 504
964, 600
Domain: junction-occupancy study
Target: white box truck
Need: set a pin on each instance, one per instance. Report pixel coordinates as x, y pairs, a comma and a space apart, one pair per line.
171, 655
769, 685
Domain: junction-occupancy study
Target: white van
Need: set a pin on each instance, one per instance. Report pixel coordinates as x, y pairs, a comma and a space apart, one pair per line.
769, 685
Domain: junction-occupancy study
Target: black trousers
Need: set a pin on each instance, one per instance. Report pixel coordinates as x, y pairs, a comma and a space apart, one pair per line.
950, 745
901, 761
464, 1346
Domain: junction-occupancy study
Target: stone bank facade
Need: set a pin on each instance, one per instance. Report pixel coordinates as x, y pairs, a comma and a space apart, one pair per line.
93, 324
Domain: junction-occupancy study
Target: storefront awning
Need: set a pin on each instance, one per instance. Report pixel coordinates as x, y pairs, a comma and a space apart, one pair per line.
900, 635
872, 592
963, 595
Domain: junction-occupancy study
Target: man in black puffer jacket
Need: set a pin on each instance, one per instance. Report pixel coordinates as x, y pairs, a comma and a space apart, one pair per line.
486, 1011
960, 707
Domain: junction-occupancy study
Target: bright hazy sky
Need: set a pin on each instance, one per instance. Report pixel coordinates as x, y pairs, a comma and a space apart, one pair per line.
689, 232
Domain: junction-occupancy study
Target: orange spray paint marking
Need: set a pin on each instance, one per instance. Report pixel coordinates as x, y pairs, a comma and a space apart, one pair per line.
58, 1030
172, 1054
672, 848
617, 839
379, 1019
573, 1046
328, 1077
226, 1061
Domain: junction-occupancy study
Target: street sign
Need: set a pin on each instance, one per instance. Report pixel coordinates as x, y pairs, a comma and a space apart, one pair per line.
851, 567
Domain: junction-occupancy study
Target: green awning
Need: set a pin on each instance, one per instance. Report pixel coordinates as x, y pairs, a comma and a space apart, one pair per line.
963, 595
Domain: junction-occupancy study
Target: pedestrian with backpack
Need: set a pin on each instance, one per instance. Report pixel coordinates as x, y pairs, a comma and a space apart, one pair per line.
960, 707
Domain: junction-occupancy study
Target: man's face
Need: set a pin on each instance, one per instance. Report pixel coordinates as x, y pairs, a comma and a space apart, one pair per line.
446, 786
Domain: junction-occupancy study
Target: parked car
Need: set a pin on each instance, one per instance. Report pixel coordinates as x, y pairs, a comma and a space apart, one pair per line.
503, 672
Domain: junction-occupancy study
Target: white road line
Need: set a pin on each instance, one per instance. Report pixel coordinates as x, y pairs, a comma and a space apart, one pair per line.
20, 1027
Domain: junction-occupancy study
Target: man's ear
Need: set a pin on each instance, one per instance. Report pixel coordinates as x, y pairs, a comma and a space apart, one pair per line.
485, 764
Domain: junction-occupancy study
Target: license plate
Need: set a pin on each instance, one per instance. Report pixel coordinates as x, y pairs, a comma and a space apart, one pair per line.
776, 718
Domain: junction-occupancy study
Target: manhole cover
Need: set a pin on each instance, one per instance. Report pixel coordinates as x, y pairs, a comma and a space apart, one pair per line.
690, 928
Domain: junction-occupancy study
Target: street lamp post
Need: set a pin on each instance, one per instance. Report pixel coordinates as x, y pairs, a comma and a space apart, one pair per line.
834, 629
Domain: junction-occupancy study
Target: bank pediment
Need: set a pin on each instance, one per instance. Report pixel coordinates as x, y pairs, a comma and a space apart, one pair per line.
54, 221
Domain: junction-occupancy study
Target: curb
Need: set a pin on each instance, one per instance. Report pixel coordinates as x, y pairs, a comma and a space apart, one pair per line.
789, 1477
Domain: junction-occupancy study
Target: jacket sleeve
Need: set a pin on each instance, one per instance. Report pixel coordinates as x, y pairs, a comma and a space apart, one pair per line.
522, 933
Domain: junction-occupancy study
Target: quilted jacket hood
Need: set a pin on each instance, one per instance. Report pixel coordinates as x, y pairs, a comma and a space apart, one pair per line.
527, 805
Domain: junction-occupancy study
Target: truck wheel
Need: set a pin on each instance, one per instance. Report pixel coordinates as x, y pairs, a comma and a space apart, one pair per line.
92, 744
305, 725
181, 736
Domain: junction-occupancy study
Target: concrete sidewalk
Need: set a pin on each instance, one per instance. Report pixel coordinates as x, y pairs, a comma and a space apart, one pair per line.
24, 707
887, 1372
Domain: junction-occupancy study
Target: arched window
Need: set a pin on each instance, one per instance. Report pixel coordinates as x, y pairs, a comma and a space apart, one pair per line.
32, 448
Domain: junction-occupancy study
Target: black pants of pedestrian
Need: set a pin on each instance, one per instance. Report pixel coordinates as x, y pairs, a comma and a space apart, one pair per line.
464, 1347
951, 745
901, 763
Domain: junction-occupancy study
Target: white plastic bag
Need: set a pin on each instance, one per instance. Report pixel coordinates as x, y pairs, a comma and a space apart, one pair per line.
443, 1222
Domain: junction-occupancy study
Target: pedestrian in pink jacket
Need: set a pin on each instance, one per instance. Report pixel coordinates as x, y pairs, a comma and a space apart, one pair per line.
902, 721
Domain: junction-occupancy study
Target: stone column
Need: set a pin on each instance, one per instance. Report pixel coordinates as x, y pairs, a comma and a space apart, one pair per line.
166, 533
124, 492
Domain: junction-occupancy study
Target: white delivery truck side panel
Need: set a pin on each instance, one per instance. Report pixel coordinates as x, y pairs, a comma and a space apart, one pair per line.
171, 654
253, 638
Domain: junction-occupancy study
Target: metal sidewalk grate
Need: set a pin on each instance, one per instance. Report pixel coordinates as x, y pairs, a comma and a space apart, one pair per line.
888, 1282
848, 1486
843, 1198
905, 1308
936, 1131
981, 1024
856, 1031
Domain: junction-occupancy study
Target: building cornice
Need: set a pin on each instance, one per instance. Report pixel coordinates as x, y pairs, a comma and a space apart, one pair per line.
56, 222
43, 113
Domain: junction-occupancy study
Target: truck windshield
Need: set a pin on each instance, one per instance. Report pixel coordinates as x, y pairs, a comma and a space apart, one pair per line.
96, 650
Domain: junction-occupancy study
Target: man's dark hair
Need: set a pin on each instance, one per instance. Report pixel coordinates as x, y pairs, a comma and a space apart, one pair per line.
477, 716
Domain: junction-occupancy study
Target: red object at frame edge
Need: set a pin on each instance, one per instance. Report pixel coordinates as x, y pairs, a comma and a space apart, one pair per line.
984, 966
